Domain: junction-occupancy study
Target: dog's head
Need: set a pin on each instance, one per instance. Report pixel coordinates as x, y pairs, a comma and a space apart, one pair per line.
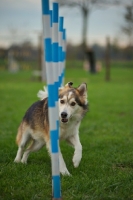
73, 102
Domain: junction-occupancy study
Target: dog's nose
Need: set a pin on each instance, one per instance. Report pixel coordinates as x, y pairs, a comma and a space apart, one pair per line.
63, 114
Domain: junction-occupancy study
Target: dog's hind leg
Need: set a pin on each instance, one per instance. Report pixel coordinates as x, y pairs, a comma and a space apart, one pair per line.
35, 146
24, 140
62, 165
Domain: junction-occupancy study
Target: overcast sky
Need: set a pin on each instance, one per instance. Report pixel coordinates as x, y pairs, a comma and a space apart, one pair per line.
21, 20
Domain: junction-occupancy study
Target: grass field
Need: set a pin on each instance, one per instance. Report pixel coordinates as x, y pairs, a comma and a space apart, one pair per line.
106, 169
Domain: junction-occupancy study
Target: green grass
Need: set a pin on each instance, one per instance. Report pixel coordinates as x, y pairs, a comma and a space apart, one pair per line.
106, 169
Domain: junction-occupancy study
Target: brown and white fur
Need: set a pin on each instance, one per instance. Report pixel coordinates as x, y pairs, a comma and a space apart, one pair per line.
34, 128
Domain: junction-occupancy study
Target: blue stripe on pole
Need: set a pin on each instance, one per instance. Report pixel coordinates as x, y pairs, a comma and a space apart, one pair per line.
48, 49
54, 137
55, 52
62, 75
64, 34
51, 98
60, 53
60, 80
56, 84
61, 19
45, 7
57, 123
56, 186
55, 12
50, 12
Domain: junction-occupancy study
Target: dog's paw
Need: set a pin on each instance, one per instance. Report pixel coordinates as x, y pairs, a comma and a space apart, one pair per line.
65, 172
17, 160
76, 161
24, 161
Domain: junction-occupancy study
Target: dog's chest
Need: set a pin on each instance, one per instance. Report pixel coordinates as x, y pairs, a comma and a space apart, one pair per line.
65, 133
68, 131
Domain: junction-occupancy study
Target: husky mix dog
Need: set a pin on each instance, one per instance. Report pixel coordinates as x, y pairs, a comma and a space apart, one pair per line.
34, 128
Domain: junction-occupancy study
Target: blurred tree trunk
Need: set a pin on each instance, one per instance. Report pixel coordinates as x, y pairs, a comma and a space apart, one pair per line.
85, 14
88, 52
107, 60
91, 60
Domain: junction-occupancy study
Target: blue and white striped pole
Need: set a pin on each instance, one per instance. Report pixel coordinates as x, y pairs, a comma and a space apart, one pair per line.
50, 44
64, 53
62, 50
55, 54
55, 63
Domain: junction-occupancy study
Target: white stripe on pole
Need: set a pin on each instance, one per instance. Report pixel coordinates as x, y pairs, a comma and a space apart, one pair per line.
55, 167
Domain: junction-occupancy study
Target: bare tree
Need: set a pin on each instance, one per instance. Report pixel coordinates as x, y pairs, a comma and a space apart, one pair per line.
86, 7
128, 26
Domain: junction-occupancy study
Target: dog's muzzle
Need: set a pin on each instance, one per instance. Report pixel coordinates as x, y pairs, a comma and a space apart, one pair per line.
64, 117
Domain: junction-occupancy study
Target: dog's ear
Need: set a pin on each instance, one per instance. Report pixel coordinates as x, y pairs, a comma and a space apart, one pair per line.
82, 89
69, 84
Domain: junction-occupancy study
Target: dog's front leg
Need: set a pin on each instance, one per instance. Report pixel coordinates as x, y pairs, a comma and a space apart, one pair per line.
75, 142
62, 165
63, 168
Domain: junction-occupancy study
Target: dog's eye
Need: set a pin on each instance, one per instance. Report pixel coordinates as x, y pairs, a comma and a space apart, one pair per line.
73, 104
62, 101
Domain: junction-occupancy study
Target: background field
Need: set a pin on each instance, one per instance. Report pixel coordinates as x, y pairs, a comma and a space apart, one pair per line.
106, 170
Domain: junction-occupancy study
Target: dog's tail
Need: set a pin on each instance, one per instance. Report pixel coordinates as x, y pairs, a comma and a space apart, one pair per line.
42, 94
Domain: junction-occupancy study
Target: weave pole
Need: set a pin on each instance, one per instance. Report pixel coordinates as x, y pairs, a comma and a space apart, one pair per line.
62, 50
64, 55
54, 75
